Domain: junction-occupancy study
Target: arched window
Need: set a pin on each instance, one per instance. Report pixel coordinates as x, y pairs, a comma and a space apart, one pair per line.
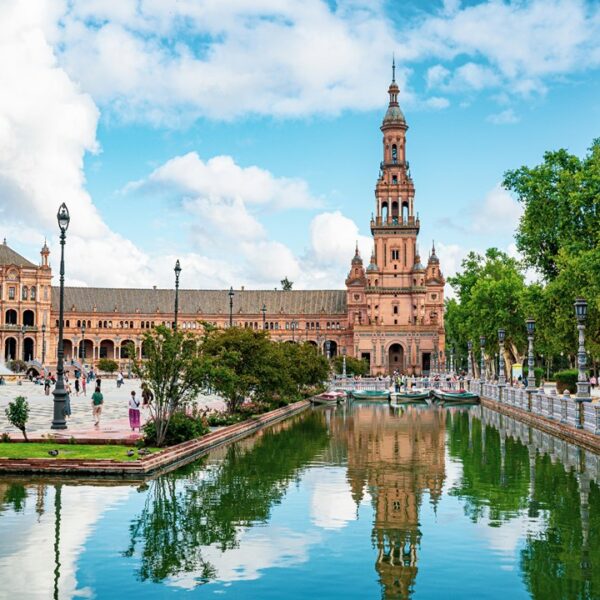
395, 310
394, 179
394, 153
404, 211
32, 292
24, 293
384, 211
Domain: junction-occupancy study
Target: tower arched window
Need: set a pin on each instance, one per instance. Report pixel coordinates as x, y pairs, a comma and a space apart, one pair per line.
32, 292
384, 212
24, 292
394, 153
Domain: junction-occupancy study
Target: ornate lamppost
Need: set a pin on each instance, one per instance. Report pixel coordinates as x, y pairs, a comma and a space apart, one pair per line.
327, 348
263, 310
23, 343
530, 323
59, 392
294, 325
177, 270
469, 360
82, 351
344, 375
231, 294
501, 374
43, 344
482, 358
583, 385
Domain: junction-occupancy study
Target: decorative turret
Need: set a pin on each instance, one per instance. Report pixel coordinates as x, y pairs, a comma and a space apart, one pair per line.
356, 276
433, 257
417, 266
45, 252
357, 260
373, 264
394, 116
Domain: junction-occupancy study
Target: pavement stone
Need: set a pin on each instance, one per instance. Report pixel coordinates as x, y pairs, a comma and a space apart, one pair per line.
114, 422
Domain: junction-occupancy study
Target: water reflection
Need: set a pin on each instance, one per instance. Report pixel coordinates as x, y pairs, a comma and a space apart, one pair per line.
362, 491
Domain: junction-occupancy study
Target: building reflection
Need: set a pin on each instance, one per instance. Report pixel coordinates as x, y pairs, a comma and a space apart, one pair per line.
396, 458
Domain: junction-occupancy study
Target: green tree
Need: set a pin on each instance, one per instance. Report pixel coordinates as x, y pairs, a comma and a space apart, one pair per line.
108, 365
354, 366
175, 369
490, 294
286, 284
17, 414
561, 202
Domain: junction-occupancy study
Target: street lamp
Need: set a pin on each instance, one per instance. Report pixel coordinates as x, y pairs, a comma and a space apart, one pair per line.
231, 294
501, 375
23, 343
469, 359
327, 347
177, 270
82, 351
43, 344
583, 385
344, 362
263, 310
59, 392
482, 358
293, 325
530, 323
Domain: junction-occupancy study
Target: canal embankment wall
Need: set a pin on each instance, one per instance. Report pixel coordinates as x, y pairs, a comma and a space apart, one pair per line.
157, 462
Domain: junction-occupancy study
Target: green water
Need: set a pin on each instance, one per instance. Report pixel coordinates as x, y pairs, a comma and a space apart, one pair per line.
358, 502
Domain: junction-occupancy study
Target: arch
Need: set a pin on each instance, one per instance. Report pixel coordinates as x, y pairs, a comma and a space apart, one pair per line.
32, 293
28, 318
313, 343
28, 349
24, 293
145, 349
405, 211
86, 350
10, 349
384, 211
333, 348
107, 349
67, 349
395, 357
394, 210
394, 153
10, 317
124, 349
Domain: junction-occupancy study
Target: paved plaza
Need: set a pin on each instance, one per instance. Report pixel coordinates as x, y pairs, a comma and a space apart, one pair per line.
114, 413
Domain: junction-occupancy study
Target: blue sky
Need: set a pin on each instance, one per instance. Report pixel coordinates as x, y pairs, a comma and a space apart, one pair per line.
244, 137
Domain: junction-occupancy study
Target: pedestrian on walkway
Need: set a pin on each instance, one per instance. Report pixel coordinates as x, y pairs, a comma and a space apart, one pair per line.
98, 382
147, 395
120, 379
77, 386
83, 385
593, 381
97, 402
134, 412
47, 385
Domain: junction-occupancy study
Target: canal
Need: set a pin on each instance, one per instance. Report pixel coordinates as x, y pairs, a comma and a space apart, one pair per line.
364, 501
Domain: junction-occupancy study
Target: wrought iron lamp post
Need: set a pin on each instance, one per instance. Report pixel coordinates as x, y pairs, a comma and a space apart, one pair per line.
482, 358
327, 348
43, 344
530, 323
583, 385
469, 360
59, 392
23, 343
294, 325
344, 375
263, 310
231, 294
501, 374
177, 270
82, 351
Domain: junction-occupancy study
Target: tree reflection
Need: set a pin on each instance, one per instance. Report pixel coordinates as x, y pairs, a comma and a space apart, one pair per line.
495, 477
201, 505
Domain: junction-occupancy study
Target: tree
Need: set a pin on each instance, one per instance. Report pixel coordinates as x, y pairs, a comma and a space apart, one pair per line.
17, 365
561, 201
17, 414
354, 366
107, 365
286, 284
490, 294
175, 369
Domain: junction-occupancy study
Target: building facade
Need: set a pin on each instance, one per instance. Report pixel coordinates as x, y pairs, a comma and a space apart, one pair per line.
390, 314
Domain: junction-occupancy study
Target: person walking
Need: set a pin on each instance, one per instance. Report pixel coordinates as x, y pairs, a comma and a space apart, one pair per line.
97, 402
120, 379
83, 385
99, 382
593, 381
147, 395
77, 386
47, 385
134, 412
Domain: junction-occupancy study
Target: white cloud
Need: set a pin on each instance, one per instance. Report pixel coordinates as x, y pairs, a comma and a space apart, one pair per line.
505, 117
437, 103
498, 211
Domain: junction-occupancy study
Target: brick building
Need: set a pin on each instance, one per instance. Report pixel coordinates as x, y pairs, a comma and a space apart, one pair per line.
390, 313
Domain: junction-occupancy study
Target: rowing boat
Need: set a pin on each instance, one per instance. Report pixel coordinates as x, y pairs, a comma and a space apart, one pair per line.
370, 394
416, 396
455, 396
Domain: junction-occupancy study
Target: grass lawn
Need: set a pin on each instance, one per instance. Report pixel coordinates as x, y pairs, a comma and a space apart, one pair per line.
86, 451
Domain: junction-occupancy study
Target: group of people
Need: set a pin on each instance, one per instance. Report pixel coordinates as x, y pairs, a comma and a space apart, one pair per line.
135, 405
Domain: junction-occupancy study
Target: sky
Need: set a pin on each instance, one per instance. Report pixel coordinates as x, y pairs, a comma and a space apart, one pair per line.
242, 137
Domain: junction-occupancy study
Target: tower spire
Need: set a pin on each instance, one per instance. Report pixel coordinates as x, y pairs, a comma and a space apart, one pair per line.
393, 68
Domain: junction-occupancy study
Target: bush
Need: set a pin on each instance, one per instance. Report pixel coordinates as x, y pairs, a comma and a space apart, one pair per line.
221, 419
107, 365
566, 380
538, 372
17, 414
17, 365
182, 427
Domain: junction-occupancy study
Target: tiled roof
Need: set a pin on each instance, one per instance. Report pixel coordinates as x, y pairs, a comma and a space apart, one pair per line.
9, 257
208, 302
